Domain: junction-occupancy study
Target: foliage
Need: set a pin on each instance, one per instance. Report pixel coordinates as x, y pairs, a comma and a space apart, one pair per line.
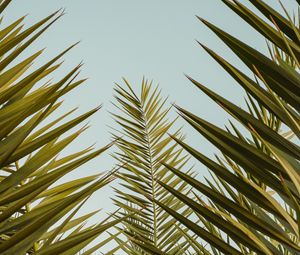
31, 200
143, 144
252, 204
249, 206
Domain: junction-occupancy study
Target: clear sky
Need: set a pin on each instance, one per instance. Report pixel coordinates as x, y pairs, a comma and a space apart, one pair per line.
136, 38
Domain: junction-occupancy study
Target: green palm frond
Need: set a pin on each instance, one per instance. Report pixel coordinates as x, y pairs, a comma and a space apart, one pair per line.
250, 205
143, 144
38, 214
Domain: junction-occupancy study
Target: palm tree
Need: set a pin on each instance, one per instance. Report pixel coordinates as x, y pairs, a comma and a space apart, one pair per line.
143, 142
37, 214
252, 205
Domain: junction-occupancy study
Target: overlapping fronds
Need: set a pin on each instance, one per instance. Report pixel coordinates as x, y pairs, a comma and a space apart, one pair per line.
251, 205
38, 215
143, 144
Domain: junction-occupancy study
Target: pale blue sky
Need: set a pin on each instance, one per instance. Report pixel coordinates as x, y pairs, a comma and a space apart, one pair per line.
136, 38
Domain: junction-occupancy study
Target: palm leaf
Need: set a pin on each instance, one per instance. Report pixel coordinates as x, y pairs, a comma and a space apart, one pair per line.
251, 203
143, 144
37, 213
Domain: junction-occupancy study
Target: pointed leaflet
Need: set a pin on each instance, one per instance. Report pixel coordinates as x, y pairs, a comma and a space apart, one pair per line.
264, 28
218, 243
252, 58
284, 24
236, 210
247, 119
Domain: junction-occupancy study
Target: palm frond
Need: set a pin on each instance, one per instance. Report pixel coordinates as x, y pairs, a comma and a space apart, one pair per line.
251, 203
38, 215
143, 144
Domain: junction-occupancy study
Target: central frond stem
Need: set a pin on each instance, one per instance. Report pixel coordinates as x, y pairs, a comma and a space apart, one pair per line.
152, 179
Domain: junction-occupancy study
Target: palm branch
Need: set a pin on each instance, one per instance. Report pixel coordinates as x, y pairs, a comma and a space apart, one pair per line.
251, 203
37, 209
143, 143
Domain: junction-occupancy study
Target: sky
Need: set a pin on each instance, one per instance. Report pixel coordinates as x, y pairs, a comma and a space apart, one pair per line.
135, 38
